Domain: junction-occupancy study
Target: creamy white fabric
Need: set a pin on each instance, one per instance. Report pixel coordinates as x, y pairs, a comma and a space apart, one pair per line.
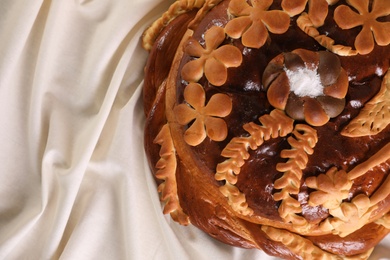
74, 181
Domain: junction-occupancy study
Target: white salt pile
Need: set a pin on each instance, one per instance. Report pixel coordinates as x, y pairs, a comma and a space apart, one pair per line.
305, 82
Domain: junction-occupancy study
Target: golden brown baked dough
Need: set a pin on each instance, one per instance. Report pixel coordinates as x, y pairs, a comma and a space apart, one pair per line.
268, 122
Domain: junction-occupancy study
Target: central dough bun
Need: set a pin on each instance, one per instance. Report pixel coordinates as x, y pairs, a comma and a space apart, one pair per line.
268, 122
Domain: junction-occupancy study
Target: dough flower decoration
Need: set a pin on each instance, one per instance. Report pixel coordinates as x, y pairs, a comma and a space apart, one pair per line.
308, 85
372, 29
318, 9
331, 188
212, 60
207, 119
252, 22
350, 216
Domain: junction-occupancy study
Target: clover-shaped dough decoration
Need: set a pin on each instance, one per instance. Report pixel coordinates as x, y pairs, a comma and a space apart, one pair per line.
252, 22
206, 119
308, 85
372, 29
212, 61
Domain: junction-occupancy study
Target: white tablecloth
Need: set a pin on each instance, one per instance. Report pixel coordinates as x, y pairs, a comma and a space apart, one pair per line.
74, 181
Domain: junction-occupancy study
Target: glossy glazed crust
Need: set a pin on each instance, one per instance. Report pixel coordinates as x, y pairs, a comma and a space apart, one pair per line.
198, 196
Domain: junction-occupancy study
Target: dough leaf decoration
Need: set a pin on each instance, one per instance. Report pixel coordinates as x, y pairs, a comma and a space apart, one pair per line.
167, 165
272, 125
302, 144
374, 116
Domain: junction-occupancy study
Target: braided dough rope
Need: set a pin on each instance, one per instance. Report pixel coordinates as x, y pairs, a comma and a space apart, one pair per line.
276, 124
166, 166
302, 145
332, 188
304, 247
308, 27
372, 30
375, 115
177, 8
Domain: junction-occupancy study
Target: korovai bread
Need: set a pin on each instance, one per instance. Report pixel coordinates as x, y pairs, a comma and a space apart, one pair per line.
267, 122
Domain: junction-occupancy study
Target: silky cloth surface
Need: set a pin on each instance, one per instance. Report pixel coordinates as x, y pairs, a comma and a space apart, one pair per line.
74, 180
